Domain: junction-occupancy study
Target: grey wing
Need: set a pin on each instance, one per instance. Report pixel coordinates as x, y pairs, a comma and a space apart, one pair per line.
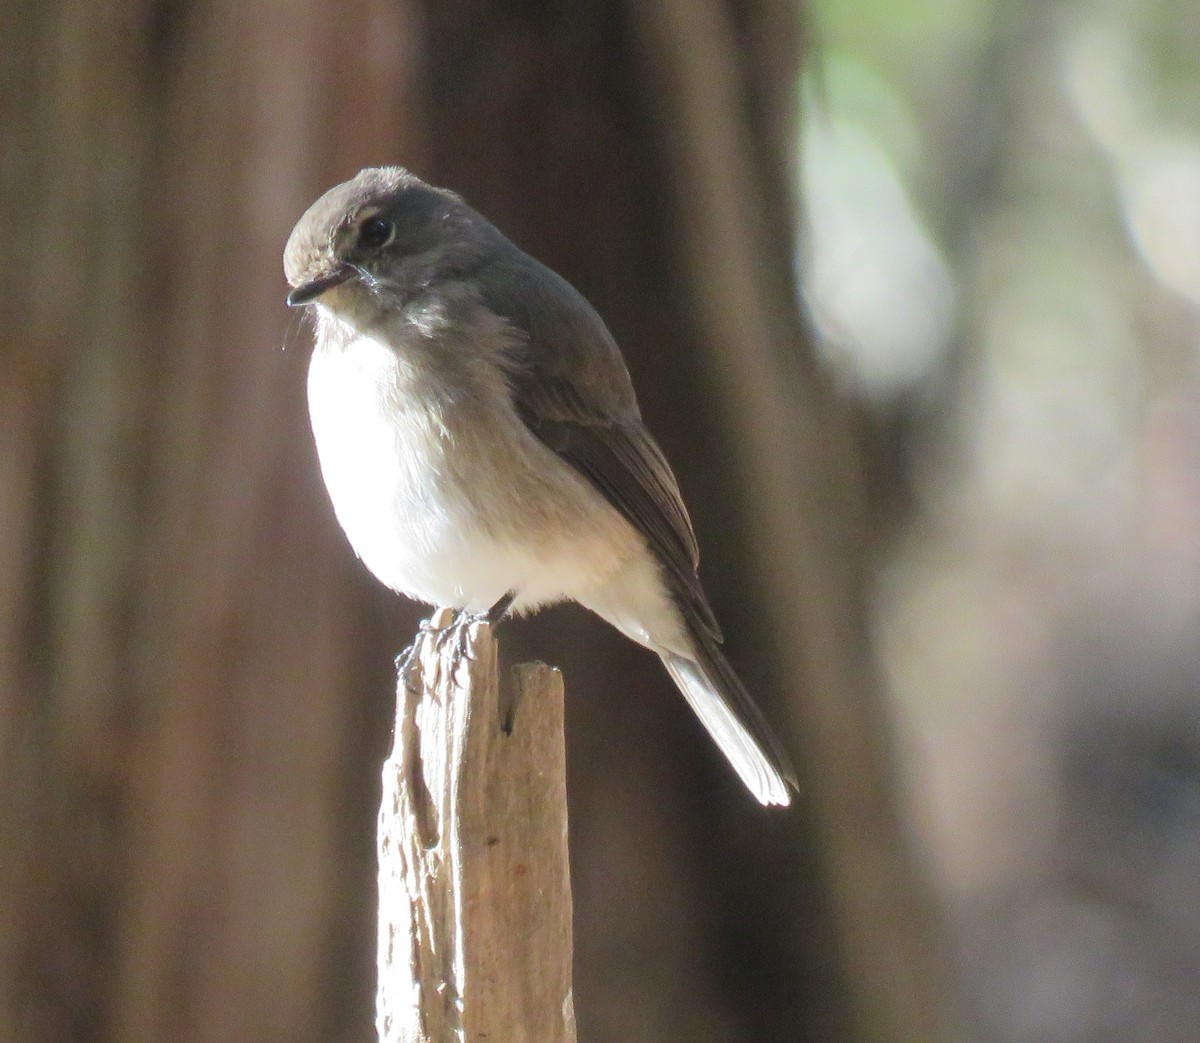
573, 392
623, 462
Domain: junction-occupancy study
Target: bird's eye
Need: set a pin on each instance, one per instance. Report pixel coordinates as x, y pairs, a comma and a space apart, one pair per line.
376, 232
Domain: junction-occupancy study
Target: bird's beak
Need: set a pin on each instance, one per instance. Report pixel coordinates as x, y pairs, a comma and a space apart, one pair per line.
307, 292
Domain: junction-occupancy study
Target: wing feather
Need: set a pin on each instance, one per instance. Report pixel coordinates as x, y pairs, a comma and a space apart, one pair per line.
623, 462
572, 391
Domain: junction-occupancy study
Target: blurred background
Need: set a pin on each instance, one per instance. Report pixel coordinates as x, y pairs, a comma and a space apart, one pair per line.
910, 293
1003, 261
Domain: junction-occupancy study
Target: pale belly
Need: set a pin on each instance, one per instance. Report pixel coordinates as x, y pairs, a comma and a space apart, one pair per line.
455, 505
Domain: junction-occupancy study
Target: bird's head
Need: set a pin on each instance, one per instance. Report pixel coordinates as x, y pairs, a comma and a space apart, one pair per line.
379, 239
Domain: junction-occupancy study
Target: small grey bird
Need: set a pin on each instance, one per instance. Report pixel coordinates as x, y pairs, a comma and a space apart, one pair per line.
482, 445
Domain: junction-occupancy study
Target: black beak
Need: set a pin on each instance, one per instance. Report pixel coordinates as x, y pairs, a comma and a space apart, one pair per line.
307, 292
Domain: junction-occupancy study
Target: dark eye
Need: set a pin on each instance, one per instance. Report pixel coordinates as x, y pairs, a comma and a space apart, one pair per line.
375, 232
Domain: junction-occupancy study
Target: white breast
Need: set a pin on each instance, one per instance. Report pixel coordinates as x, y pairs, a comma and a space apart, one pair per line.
446, 497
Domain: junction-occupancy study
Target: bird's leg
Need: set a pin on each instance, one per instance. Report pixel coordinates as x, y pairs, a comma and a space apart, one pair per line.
498, 610
465, 618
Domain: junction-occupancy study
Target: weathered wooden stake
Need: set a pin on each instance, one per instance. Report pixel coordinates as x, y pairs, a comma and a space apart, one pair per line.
474, 891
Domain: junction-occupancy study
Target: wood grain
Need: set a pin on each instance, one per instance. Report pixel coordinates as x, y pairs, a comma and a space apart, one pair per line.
474, 887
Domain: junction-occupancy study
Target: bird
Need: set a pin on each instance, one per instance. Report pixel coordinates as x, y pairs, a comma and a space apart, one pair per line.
482, 445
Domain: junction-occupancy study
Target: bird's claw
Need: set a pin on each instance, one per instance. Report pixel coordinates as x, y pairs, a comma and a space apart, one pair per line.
457, 636
454, 633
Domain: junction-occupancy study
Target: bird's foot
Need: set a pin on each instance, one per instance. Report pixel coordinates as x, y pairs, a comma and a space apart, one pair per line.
451, 629
458, 632
405, 659
433, 629
456, 636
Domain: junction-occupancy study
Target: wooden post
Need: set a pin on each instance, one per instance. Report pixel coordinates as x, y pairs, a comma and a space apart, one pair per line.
474, 890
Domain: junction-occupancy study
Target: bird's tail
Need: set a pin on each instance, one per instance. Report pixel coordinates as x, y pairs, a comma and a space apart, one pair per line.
725, 708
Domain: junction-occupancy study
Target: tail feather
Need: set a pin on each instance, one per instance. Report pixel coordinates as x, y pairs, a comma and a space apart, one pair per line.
725, 708
643, 602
